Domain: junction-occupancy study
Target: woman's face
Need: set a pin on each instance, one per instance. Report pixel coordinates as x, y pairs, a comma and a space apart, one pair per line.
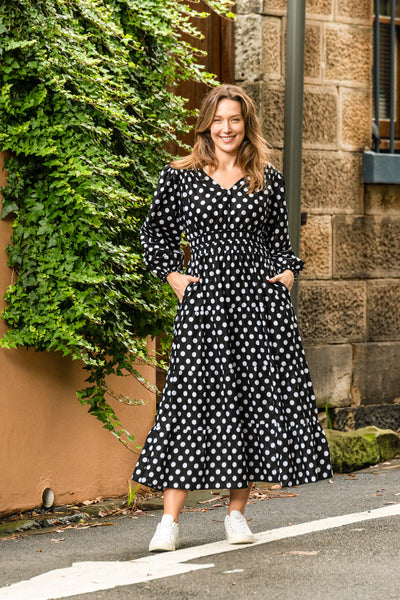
228, 129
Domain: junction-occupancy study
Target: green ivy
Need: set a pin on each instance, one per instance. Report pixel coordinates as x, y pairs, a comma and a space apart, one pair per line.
87, 108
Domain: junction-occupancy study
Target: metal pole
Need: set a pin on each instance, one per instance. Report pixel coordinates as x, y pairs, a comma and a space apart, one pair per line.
293, 132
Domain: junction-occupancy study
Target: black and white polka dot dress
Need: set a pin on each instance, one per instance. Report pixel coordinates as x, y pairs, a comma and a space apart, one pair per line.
238, 403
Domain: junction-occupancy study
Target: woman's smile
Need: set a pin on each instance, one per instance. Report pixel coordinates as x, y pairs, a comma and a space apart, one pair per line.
227, 138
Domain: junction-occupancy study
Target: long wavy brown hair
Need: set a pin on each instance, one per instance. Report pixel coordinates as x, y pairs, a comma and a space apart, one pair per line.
253, 153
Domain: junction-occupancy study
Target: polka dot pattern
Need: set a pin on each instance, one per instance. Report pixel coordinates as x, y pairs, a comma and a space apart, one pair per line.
238, 404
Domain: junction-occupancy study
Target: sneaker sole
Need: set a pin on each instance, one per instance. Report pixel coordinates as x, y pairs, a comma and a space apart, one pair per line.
244, 539
163, 547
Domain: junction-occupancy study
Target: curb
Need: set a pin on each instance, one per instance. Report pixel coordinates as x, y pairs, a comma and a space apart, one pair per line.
40, 520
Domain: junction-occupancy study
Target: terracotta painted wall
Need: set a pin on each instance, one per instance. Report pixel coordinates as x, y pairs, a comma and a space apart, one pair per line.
47, 439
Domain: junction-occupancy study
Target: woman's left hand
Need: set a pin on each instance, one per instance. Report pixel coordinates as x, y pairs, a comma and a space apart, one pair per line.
286, 277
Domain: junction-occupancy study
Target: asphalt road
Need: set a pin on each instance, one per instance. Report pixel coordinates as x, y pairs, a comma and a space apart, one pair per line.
356, 561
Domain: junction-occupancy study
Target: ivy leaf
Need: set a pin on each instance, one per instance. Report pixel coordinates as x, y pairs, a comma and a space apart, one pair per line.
8, 209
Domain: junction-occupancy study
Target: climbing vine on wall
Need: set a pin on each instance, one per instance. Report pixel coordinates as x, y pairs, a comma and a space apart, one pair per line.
87, 107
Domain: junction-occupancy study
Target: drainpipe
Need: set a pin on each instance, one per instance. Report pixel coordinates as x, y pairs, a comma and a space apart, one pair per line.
292, 155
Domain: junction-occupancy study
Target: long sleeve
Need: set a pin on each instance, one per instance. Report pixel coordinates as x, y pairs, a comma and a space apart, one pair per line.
278, 240
160, 234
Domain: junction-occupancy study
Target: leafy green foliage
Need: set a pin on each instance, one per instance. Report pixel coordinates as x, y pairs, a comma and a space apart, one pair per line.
87, 107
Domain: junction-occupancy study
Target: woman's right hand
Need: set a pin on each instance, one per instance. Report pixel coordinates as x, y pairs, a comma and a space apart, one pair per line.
179, 283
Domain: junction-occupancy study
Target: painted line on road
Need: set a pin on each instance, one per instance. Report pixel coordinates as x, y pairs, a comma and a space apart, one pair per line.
86, 577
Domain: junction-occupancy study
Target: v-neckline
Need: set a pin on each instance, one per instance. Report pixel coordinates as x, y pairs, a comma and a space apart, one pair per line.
218, 184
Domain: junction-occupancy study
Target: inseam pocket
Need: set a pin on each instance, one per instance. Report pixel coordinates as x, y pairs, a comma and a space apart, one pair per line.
283, 286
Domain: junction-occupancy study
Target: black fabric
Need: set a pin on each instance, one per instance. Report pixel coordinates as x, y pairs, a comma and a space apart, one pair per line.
238, 403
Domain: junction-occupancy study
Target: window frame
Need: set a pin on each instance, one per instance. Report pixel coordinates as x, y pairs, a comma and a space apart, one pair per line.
384, 123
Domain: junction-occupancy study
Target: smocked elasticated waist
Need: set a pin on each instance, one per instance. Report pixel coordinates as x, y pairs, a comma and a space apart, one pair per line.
218, 236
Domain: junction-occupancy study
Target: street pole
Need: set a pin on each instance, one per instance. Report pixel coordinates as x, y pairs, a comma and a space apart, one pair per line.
293, 132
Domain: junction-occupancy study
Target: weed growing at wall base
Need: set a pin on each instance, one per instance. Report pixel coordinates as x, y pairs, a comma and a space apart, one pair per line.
87, 106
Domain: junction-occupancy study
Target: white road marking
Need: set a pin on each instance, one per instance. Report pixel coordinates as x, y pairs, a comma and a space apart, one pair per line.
86, 577
233, 571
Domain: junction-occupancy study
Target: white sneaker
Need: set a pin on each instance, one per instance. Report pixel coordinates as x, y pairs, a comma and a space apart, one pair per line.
237, 530
166, 535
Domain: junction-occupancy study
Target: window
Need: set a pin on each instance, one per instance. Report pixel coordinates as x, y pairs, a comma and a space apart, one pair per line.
387, 75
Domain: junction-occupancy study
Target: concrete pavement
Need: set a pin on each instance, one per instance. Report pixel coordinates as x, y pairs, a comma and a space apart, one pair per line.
358, 560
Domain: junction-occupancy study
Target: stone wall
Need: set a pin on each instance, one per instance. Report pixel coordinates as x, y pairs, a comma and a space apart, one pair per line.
349, 296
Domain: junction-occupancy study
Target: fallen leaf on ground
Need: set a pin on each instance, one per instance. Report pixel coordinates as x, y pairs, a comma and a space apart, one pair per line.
88, 526
210, 500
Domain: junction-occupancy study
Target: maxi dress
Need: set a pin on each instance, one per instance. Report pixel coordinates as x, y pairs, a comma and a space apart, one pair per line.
238, 403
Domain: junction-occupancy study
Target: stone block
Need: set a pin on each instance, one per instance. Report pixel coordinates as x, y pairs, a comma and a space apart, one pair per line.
348, 54
366, 246
248, 48
355, 11
254, 91
316, 247
330, 368
312, 51
272, 112
271, 47
331, 182
275, 7
352, 450
383, 310
385, 416
245, 7
276, 158
320, 121
320, 8
376, 373
382, 199
332, 311
356, 119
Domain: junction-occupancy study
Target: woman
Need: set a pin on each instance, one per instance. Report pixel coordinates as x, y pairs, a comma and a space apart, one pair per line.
238, 403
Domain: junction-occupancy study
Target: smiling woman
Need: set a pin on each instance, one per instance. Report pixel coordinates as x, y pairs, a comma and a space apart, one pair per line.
238, 404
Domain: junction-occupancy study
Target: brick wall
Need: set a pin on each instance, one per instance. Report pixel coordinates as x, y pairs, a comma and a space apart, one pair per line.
349, 296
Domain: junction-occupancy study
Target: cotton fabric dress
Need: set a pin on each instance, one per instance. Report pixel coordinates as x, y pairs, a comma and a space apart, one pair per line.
238, 402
